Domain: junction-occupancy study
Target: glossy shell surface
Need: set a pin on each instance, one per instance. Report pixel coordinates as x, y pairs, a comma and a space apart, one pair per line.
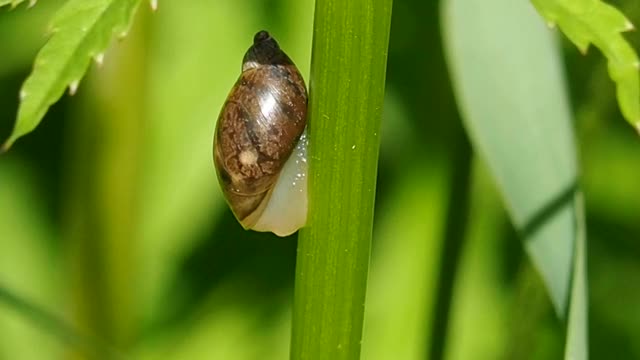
258, 128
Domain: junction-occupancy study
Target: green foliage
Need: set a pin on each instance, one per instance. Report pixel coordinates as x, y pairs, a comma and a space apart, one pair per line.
27, 265
577, 342
126, 209
348, 69
15, 3
81, 30
522, 129
594, 22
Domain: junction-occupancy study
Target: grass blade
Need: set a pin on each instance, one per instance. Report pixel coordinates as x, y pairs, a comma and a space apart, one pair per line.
510, 88
577, 336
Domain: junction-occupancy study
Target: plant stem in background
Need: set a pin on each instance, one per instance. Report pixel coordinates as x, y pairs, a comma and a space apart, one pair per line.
454, 236
348, 68
103, 188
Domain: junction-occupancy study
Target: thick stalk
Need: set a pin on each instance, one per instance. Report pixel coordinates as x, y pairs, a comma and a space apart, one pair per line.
348, 67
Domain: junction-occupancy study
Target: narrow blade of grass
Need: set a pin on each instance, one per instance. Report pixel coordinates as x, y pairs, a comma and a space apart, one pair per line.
509, 85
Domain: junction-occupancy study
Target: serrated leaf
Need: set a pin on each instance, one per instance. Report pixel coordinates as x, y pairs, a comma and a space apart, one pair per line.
516, 110
587, 22
81, 30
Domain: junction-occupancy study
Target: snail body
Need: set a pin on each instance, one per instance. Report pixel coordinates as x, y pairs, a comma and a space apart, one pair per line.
259, 128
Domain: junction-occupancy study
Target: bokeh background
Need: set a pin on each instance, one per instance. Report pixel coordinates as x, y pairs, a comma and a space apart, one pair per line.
114, 236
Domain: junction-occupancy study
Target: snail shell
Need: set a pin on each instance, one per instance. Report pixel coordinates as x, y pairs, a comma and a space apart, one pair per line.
260, 125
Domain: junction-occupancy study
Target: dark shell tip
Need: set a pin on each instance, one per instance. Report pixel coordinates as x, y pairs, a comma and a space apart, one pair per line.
261, 36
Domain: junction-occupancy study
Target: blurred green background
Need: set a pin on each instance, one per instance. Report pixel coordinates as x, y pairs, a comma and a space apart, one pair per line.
112, 221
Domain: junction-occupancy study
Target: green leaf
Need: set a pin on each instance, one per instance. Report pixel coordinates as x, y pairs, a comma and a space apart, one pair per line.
81, 30
15, 3
516, 111
577, 337
349, 56
587, 22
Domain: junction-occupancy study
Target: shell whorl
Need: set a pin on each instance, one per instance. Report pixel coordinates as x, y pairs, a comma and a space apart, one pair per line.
258, 127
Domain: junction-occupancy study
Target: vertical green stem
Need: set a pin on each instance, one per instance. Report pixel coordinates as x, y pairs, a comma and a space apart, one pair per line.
348, 69
103, 188
455, 232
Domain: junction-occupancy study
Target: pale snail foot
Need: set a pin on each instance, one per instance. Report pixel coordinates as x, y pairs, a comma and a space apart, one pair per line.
286, 211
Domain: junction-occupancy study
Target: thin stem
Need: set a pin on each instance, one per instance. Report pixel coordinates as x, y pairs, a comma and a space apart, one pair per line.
455, 232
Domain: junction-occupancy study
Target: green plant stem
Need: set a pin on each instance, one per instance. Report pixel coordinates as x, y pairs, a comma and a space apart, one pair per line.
348, 67
103, 193
457, 216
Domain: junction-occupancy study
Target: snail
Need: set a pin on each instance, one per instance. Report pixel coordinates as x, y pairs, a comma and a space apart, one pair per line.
259, 145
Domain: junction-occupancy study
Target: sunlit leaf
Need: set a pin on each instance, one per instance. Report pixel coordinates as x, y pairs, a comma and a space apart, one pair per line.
81, 30
577, 337
15, 3
510, 87
587, 22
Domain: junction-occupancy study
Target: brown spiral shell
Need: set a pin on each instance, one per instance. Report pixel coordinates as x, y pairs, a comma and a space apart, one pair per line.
258, 127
